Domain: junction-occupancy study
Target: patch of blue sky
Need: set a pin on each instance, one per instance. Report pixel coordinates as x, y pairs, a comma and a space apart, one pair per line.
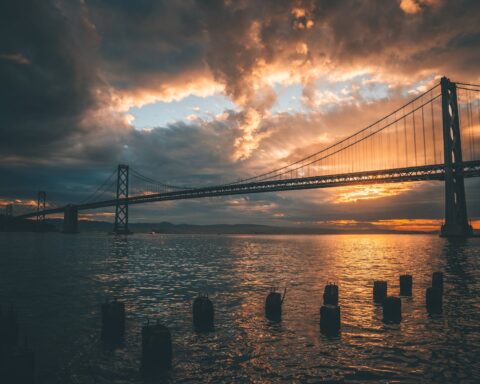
368, 89
419, 86
331, 94
374, 91
289, 98
160, 114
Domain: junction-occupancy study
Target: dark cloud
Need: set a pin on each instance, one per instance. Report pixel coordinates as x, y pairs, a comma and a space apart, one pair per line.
43, 99
147, 41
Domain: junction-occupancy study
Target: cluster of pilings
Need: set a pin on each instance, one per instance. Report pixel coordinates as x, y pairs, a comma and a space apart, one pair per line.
156, 338
392, 305
157, 341
330, 321
17, 362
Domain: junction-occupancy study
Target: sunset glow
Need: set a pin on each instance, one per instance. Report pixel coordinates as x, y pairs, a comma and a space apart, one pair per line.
368, 192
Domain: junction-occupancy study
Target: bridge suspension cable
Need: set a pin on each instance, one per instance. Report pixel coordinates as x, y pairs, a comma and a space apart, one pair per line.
106, 186
52, 204
158, 185
469, 115
371, 146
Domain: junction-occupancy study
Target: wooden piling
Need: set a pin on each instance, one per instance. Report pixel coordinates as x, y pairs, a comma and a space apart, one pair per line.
379, 291
406, 282
392, 309
203, 314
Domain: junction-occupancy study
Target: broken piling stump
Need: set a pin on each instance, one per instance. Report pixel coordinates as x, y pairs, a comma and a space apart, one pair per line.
156, 349
434, 300
379, 291
113, 321
273, 305
203, 314
330, 322
406, 282
392, 309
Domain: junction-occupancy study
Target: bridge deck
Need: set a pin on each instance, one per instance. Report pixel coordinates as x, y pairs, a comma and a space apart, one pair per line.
421, 173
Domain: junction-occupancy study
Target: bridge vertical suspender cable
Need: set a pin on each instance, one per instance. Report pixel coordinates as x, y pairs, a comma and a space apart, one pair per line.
433, 134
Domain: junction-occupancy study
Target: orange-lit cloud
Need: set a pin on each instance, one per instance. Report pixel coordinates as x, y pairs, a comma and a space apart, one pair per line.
415, 6
98, 216
19, 202
15, 58
353, 194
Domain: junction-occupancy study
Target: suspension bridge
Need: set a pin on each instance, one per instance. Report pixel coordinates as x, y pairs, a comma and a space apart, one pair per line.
435, 136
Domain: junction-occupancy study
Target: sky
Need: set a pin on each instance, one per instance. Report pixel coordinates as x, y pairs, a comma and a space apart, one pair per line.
199, 92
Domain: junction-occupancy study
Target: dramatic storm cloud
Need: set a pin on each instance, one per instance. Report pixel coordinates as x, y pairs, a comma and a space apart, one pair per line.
273, 81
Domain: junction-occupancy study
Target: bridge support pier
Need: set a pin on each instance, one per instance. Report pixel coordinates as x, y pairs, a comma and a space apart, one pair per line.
70, 219
456, 219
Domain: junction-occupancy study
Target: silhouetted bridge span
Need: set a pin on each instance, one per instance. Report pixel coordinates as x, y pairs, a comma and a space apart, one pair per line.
420, 141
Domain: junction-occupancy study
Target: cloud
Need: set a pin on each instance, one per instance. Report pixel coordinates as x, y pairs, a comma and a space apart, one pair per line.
15, 58
415, 6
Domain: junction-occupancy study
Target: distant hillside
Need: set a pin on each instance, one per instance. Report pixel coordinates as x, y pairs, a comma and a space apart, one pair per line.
16, 225
169, 228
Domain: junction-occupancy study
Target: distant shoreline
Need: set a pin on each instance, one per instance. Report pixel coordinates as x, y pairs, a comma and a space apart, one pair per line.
55, 225
167, 228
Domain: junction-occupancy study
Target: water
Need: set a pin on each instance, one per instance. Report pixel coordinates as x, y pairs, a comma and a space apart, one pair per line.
57, 282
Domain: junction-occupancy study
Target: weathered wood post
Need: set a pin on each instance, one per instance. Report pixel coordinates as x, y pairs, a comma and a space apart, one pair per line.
203, 314
434, 300
156, 349
406, 282
113, 321
392, 309
379, 291
330, 321
273, 305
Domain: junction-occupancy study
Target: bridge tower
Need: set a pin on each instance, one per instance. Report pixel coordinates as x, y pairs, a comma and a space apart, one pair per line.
41, 199
121, 209
456, 219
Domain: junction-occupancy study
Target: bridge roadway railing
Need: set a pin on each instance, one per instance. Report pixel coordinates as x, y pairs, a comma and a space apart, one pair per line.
397, 175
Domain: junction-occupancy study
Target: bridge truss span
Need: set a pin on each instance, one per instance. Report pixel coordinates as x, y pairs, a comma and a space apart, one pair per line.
432, 172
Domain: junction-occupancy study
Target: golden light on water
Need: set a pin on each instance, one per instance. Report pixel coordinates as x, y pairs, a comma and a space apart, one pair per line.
401, 225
